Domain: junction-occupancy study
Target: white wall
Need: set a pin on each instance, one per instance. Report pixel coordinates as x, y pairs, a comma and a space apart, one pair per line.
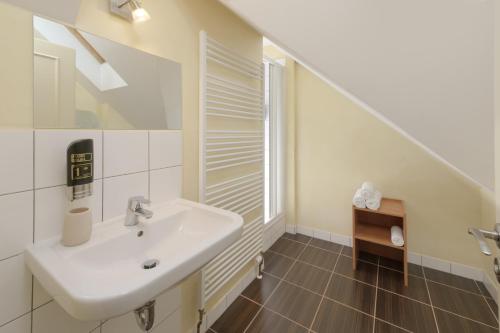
32, 197
426, 66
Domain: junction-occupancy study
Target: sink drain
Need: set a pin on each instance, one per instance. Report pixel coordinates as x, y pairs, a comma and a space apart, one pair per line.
149, 264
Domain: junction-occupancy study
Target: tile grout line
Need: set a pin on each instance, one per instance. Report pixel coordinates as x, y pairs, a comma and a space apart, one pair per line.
277, 286
464, 317
328, 298
33, 236
487, 303
354, 309
275, 312
370, 285
392, 292
376, 294
324, 291
456, 288
430, 300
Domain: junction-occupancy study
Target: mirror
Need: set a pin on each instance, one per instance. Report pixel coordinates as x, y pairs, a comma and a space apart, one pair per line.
85, 81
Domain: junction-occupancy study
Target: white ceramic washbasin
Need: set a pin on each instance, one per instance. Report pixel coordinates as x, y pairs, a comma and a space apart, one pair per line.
105, 277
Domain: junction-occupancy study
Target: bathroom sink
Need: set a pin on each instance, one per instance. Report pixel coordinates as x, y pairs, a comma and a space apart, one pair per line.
121, 268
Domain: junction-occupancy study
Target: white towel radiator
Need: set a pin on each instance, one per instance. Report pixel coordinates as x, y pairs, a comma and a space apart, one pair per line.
231, 161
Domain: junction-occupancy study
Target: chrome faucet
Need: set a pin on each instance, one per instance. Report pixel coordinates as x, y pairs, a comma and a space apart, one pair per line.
135, 209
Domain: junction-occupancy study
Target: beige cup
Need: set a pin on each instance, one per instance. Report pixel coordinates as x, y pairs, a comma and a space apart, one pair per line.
77, 226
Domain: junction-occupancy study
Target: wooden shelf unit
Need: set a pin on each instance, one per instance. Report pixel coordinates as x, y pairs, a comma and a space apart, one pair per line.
372, 232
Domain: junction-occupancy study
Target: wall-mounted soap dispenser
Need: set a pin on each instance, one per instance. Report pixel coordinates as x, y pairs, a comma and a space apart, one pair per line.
80, 168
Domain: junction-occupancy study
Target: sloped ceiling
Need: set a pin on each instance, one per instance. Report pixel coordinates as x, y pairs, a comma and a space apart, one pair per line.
62, 10
425, 66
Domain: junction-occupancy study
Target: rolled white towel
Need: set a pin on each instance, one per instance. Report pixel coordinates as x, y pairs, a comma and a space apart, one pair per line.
358, 200
367, 190
397, 236
373, 202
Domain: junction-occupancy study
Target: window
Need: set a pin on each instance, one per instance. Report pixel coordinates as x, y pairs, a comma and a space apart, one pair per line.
274, 140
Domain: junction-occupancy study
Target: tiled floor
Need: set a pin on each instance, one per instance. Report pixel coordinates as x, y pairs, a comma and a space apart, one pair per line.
309, 286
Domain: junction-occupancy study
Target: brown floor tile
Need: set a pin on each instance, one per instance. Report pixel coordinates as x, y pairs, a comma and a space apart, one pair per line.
365, 272
287, 247
451, 280
398, 265
237, 317
297, 237
309, 277
483, 289
295, 303
461, 302
353, 293
493, 306
267, 321
347, 251
406, 313
319, 257
382, 327
450, 323
276, 264
368, 257
394, 281
260, 290
326, 245
334, 317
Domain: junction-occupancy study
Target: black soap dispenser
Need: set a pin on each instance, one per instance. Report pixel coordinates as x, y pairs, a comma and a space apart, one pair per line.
80, 168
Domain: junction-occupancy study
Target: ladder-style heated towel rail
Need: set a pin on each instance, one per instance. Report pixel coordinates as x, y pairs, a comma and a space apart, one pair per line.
231, 126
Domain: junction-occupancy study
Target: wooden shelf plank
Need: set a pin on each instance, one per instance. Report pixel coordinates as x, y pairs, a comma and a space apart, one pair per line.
375, 234
392, 207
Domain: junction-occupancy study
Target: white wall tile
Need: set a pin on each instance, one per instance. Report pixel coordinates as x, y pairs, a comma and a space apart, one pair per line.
171, 325
50, 154
52, 203
40, 295
320, 234
166, 184
340, 239
117, 191
167, 303
122, 324
125, 152
435, 263
51, 318
414, 258
165, 149
16, 227
304, 230
290, 228
20, 325
15, 289
491, 286
216, 311
466, 271
16, 164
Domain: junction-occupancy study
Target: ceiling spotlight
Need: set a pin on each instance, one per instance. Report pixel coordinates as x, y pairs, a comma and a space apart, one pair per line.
131, 10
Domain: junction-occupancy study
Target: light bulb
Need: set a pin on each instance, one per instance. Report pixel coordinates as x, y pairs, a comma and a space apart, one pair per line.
140, 15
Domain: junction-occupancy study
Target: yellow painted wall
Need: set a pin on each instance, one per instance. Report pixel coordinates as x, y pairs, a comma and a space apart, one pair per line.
16, 67
339, 145
173, 33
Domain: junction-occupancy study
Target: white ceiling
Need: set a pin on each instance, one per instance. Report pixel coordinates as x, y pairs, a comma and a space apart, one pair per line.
425, 66
62, 10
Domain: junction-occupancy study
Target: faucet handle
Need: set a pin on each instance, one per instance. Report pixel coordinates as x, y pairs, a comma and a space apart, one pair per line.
137, 201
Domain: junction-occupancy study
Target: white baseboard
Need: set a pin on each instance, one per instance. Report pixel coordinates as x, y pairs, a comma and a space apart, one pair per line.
215, 312
272, 231
491, 286
413, 257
